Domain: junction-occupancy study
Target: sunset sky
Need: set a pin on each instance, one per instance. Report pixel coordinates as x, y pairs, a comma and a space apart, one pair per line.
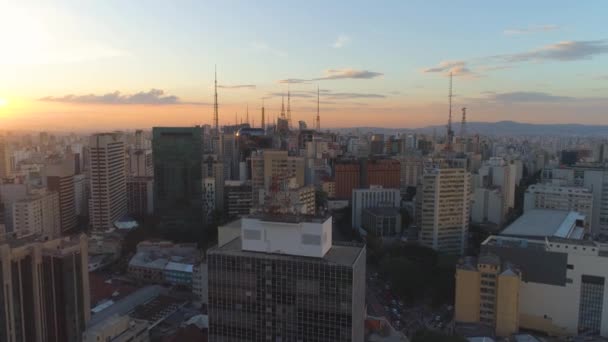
90, 65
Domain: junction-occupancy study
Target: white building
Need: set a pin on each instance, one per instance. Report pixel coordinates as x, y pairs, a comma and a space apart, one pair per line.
569, 198
118, 329
38, 213
375, 196
487, 206
592, 177
563, 288
108, 201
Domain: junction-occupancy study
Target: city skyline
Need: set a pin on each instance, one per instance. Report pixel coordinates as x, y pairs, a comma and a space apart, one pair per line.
112, 65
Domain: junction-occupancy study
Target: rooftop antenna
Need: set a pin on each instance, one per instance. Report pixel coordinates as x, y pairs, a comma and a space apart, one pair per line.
450, 133
283, 107
288, 107
247, 117
263, 117
318, 121
463, 124
215, 106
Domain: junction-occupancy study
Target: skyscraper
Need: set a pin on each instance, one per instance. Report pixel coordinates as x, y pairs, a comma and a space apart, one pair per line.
178, 186
45, 293
443, 205
108, 201
60, 178
4, 158
284, 280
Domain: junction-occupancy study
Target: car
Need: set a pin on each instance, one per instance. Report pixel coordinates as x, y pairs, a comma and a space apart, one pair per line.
401, 303
437, 318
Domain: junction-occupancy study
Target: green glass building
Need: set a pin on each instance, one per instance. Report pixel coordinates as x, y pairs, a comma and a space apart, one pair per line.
177, 154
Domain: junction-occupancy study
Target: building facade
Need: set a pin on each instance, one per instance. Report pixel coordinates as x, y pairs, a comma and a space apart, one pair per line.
140, 196
45, 294
38, 213
383, 222
298, 287
568, 198
108, 200
347, 178
178, 176
60, 178
383, 172
443, 206
237, 198
372, 198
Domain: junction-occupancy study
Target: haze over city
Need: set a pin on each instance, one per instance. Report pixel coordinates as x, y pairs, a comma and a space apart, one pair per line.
71, 65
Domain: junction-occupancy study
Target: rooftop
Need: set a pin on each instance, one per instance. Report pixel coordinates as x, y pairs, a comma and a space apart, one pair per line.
340, 254
541, 223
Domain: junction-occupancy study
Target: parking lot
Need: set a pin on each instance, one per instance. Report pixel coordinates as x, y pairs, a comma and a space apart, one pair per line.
407, 318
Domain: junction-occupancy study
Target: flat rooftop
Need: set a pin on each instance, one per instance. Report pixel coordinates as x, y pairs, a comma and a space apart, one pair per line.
541, 223
340, 253
287, 218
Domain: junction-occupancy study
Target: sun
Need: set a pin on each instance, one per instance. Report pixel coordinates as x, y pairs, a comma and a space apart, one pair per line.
3, 102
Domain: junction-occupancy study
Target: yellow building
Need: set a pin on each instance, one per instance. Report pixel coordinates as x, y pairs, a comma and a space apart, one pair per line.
487, 292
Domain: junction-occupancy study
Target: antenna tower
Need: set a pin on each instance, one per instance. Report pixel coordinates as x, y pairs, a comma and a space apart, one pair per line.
215, 108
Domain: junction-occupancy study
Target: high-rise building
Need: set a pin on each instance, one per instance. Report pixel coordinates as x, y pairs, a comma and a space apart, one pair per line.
45, 293
108, 200
140, 162
593, 177
283, 279
411, 170
81, 190
374, 197
272, 167
237, 198
568, 198
140, 196
347, 177
383, 172
178, 175
60, 178
38, 213
5, 162
443, 206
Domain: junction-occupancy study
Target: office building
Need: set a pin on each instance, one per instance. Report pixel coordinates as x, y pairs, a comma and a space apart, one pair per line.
568, 198
5, 160
443, 206
382, 222
108, 197
237, 198
562, 287
81, 203
38, 213
329, 187
411, 170
488, 206
60, 178
293, 200
272, 167
373, 197
283, 279
383, 172
178, 186
593, 177
347, 178
140, 196
140, 163
45, 293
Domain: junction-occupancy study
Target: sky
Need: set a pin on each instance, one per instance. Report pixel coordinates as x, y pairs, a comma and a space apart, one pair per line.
93, 65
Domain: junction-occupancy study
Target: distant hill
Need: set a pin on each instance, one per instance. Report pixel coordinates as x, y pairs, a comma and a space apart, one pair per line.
498, 128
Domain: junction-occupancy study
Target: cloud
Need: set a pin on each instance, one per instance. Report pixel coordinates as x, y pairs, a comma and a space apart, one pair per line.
530, 29
528, 96
329, 95
263, 47
602, 78
562, 51
456, 68
151, 97
341, 41
237, 86
337, 74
